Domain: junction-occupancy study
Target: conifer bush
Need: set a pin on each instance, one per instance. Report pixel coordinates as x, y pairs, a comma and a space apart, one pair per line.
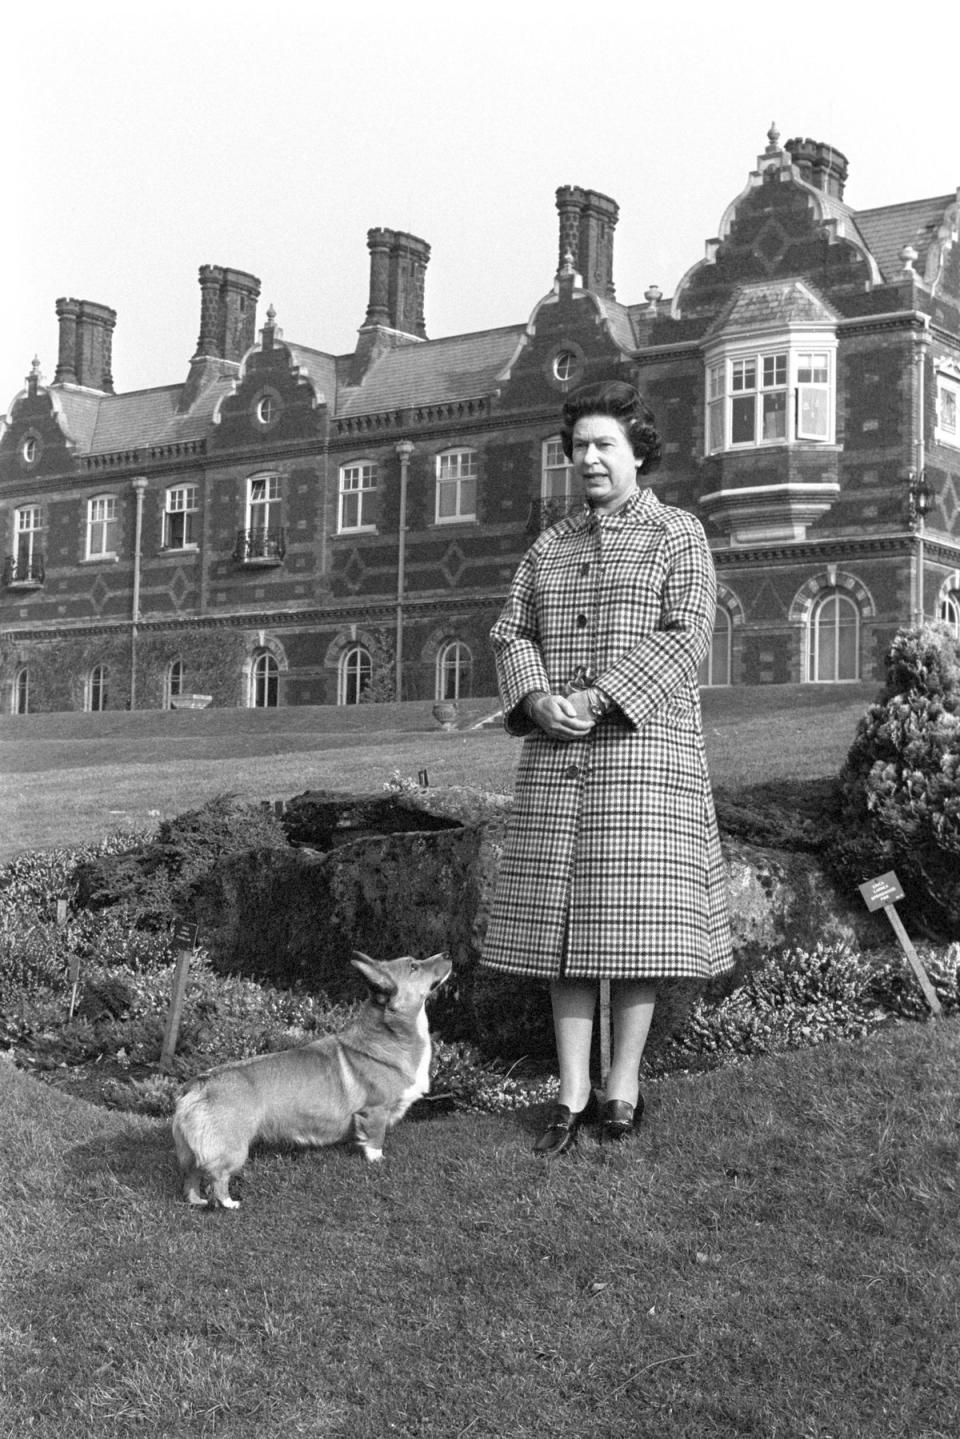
900, 785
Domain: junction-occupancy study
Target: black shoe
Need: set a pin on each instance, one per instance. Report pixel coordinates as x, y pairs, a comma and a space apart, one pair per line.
561, 1128
618, 1118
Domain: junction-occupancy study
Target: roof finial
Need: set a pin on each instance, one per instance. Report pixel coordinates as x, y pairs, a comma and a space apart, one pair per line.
773, 138
567, 268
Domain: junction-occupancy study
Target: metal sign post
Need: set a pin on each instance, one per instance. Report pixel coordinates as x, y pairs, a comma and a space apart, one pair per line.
605, 1047
185, 937
881, 893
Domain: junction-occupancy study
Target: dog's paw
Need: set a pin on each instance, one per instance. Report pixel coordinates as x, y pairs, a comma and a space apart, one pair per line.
371, 1155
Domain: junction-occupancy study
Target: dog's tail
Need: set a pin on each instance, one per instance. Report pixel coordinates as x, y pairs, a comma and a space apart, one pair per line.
188, 1127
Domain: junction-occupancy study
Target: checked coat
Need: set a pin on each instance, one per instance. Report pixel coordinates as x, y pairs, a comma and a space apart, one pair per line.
611, 866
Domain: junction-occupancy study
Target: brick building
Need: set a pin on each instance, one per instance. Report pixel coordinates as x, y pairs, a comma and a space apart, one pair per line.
289, 526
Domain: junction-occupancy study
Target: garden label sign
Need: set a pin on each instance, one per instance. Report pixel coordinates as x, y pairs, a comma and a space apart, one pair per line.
185, 938
882, 893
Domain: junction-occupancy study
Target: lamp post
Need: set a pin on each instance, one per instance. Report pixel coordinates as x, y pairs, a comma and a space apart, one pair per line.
404, 449
920, 502
138, 486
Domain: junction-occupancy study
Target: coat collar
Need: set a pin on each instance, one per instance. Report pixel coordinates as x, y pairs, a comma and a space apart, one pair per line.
642, 507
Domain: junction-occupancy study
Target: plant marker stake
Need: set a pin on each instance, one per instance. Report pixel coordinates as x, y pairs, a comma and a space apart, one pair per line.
74, 959
880, 893
605, 1046
186, 937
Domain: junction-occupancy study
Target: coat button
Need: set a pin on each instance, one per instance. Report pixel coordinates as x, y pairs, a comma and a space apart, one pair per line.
572, 771
581, 622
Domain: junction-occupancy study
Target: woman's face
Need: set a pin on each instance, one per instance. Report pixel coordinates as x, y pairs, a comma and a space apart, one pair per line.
603, 459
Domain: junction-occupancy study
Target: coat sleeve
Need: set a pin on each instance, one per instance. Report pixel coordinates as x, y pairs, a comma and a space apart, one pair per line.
516, 647
666, 661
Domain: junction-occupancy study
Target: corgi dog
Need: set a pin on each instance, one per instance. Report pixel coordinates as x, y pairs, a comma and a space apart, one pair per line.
354, 1084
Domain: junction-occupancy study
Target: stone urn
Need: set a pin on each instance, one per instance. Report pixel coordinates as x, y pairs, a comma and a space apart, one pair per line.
445, 713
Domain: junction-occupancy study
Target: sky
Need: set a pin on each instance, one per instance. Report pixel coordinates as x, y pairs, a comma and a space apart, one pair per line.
145, 140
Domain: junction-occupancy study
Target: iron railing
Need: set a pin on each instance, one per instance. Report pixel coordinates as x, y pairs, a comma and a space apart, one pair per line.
260, 547
18, 570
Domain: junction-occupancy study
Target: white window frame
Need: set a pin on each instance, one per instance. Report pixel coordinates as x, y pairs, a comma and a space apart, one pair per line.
948, 611
27, 528
355, 667
358, 485
95, 689
947, 429
103, 524
21, 691
264, 682
456, 480
264, 510
715, 670
180, 505
454, 671
556, 471
816, 633
785, 383
172, 682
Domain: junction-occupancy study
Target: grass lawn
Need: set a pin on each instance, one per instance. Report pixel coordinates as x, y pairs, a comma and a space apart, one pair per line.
776, 1255
72, 778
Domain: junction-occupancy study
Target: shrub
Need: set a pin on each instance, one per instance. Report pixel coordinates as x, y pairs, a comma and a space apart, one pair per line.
796, 999
155, 882
900, 785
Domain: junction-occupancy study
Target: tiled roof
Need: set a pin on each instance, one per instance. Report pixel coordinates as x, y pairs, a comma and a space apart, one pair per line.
886, 230
775, 303
461, 367
319, 368
105, 424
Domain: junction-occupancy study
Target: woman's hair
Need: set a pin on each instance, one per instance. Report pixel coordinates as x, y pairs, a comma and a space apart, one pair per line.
621, 402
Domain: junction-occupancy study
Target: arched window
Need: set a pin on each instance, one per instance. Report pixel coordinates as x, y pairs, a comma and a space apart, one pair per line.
948, 611
715, 669
834, 640
264, 682
353, 675
172, 683
454, 671
21, 692
95, 693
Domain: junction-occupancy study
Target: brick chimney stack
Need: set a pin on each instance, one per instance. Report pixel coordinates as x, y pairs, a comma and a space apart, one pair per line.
85, 353
398, 268
820, 165
587, 222
228, 313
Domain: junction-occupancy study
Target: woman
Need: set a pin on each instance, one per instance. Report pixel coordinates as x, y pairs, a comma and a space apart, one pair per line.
612, 866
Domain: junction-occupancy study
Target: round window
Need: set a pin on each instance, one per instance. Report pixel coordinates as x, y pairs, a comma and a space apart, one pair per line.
266, 409
565, 365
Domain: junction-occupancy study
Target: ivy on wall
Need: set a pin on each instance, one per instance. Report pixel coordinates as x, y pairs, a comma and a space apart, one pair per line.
59, 668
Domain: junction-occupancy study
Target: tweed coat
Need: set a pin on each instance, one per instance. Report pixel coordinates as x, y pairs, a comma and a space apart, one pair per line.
611, 865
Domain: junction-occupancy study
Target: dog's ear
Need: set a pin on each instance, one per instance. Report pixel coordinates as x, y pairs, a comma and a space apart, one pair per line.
441, 965
375, 974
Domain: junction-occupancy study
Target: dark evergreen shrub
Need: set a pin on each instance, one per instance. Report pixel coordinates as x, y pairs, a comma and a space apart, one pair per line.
900, 785
155, 882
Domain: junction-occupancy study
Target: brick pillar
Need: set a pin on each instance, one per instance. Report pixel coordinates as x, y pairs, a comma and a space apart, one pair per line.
598, 220
569, 203
208, 342
94, 352
378, 306
409, 256
66, 371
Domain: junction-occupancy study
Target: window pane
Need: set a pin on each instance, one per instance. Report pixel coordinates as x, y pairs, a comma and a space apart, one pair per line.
948, 410
743, 429
715, 423
744, 374
447, 499
468, 498
814, 413
774, 370
775, 415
